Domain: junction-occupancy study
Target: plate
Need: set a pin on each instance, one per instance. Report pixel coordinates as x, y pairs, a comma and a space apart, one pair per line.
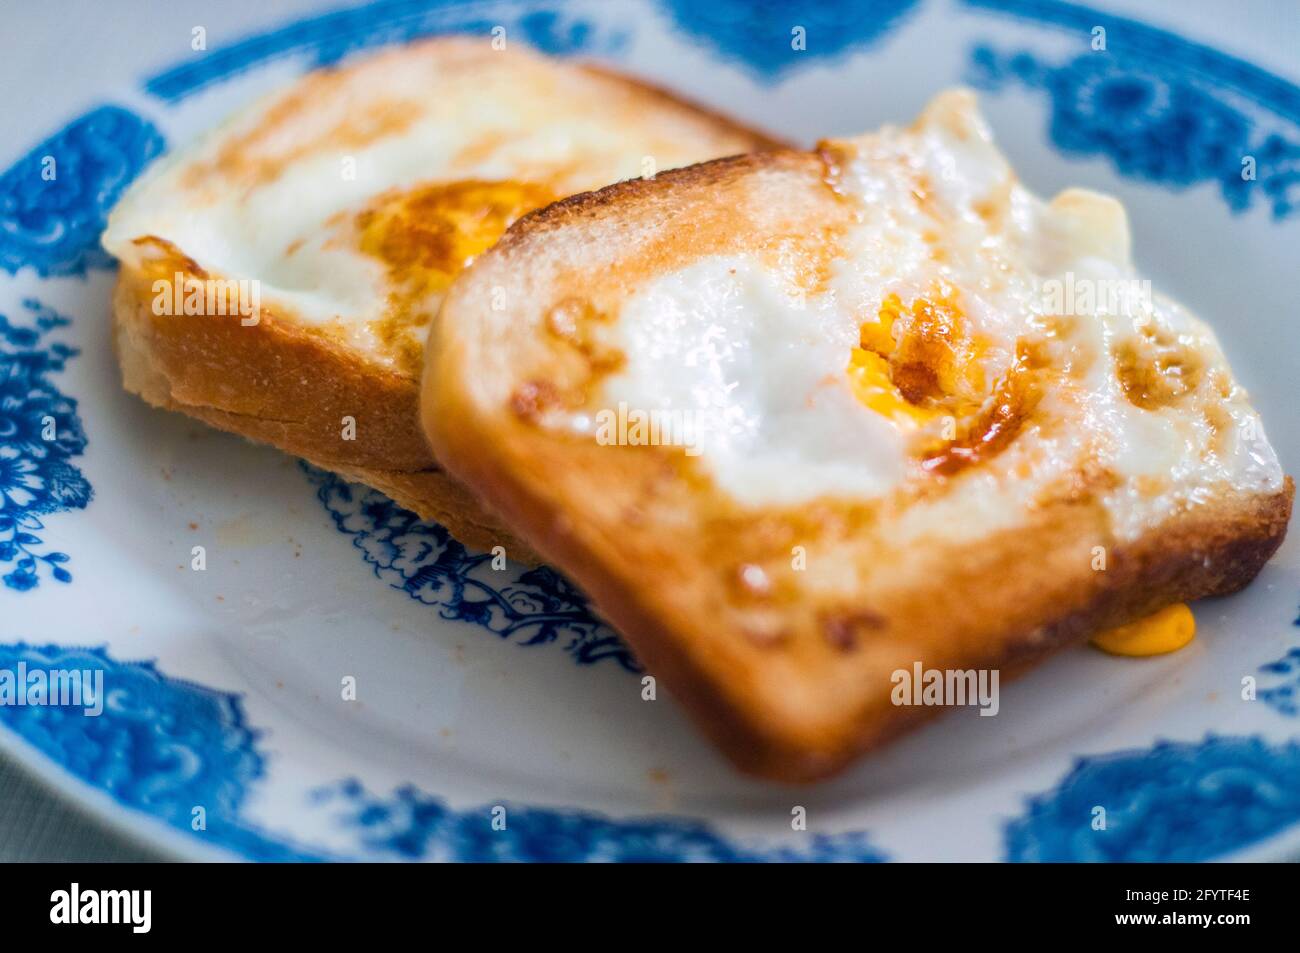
293, 667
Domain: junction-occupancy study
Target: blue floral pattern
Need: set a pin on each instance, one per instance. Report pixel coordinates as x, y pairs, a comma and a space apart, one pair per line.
421, 559
1176, 801
328, 38
1149, 104
409, 825
1281, 690
55, 200
167, 747
758, 34
160, 746
39, 434
1283, 695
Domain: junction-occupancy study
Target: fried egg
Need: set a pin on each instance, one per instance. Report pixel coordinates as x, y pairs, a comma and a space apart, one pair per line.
966, 334
357, 195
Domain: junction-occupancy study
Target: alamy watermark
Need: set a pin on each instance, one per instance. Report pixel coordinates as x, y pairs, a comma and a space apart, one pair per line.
187, 295
1073, 295
78, 905
625, 426
21, 687
946, 687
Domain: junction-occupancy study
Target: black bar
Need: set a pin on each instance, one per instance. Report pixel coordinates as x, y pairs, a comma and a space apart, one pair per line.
304, 902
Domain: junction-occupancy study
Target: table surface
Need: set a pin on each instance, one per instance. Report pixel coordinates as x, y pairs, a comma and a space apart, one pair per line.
37, 825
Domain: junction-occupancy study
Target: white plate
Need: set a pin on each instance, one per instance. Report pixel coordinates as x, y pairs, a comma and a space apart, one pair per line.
485, 696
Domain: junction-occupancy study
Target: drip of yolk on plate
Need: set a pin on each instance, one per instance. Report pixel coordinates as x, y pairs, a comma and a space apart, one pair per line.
1168, 630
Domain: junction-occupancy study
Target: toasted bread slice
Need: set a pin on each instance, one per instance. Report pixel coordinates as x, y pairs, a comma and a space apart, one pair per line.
892, 427
346, 204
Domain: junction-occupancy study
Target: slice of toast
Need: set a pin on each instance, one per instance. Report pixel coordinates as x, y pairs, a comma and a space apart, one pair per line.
346, 204
908, 415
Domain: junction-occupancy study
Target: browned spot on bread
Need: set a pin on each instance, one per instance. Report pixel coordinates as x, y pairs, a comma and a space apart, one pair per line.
1156, 369
845, 631
574, 321
260, 154
534, 400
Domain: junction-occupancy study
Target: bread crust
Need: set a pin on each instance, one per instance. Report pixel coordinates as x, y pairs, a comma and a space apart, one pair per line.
801, 705
293, 385
278, 384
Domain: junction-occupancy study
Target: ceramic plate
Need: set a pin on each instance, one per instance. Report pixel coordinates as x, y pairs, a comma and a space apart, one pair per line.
344, 681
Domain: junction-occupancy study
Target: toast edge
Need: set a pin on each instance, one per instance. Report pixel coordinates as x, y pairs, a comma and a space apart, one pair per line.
191, 365
1181, 559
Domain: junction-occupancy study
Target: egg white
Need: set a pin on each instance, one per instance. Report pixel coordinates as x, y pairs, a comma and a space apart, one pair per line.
272, 193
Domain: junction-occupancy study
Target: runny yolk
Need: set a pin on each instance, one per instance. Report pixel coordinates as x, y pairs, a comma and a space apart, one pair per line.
1166, 631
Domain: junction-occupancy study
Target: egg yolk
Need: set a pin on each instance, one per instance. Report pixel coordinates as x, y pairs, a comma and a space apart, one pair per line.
872, 385
917, 362
1166, 631
428, 235
991, 429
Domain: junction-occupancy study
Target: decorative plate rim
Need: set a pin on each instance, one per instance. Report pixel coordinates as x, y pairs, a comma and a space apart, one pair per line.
398, 20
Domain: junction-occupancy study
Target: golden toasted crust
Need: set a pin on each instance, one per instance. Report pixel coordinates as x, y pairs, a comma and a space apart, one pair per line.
294, 384
277, 383
792, 678
649, 92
